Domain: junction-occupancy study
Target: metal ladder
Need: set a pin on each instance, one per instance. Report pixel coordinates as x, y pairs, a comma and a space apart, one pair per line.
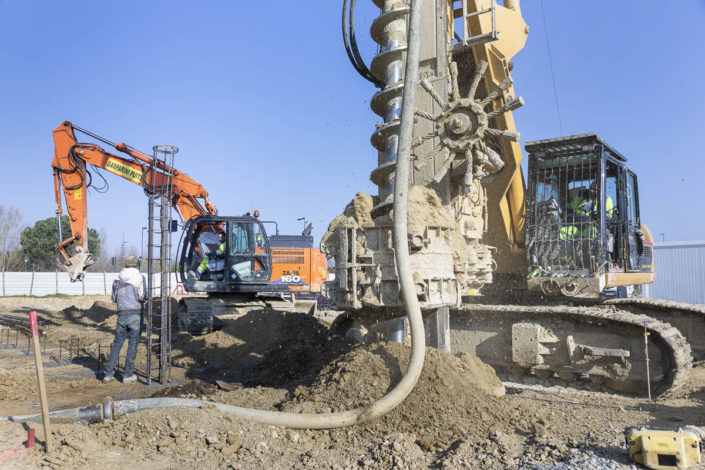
159, 264
466, 40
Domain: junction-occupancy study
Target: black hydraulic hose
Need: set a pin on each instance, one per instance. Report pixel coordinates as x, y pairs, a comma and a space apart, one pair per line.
351, 48
346, 40
76, 167
356, 50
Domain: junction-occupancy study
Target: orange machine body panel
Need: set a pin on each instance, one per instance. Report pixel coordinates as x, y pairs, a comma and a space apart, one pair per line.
300, 269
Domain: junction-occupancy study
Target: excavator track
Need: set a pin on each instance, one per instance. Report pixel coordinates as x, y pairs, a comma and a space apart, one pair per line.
688, 318
198, 315
597, 347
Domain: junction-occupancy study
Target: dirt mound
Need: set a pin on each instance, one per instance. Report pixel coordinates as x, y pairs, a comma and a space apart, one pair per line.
99, 313
297, 360
265, 347
358, 214
53, 303
454, 398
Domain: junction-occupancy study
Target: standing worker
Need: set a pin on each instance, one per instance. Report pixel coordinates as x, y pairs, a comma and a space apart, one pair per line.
129, 292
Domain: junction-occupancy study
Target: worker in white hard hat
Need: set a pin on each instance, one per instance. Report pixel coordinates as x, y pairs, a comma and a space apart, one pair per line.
129, 292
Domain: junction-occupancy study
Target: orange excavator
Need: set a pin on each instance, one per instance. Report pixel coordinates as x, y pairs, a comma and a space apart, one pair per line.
250, 263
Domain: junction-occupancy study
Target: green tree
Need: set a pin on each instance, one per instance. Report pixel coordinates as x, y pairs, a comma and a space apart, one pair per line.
39, 243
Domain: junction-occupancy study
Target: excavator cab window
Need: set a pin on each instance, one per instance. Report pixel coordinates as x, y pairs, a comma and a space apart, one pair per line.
635, 237
248, 248
610, 205
575, 222
565, 221
242, 259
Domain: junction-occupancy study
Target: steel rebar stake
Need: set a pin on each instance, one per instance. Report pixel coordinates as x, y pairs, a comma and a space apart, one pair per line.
646, 352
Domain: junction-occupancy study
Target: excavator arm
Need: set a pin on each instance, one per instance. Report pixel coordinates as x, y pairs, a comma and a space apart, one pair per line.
72, 177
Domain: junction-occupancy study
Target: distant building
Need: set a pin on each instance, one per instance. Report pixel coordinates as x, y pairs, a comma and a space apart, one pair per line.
680, 272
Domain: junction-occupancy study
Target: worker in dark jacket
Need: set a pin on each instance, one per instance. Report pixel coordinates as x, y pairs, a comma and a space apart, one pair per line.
129, 292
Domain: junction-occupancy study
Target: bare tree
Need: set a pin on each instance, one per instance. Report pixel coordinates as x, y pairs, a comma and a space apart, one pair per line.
10, 228
102, 259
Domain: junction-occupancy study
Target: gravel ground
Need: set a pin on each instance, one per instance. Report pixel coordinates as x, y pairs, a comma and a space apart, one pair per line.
456, 417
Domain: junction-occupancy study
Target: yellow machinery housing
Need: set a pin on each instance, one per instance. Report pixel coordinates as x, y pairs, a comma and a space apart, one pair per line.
664, 448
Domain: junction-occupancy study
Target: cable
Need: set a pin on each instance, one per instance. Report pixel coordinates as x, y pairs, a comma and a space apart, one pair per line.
103, 189
351, 48
356, 50
550, 62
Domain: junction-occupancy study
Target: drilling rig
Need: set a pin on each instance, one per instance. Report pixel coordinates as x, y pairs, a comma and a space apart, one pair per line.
467, 213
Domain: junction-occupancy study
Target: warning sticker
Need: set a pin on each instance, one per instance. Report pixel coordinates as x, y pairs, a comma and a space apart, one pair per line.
77, 194
126, 171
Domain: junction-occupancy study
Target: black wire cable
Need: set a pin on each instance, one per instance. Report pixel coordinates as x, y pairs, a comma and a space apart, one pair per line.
104, 188
356, 50
346, 40
351, 48
77, 166
550, 62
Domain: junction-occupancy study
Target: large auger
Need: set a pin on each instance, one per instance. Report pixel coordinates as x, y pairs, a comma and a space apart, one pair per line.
464, 125
389, 30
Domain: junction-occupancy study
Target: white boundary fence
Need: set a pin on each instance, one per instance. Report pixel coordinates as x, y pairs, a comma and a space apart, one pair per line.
39, 284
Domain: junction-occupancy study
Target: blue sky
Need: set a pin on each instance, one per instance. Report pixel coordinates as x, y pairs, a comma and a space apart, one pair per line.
268, 114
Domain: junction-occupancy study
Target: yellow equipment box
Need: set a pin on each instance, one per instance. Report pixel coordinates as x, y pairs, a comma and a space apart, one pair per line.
660, 448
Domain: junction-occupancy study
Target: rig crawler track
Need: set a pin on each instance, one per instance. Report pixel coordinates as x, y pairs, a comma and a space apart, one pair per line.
601, 344
688, 318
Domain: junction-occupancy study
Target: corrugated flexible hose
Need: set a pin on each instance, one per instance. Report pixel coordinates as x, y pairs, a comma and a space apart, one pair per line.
385, 404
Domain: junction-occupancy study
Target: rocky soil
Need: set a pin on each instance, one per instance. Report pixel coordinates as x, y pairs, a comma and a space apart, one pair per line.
458, 415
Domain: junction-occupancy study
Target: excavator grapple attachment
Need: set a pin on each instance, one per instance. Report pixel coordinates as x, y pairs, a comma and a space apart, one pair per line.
77, 264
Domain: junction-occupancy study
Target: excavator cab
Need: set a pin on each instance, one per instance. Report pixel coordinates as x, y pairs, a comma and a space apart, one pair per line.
225, 254
583, 227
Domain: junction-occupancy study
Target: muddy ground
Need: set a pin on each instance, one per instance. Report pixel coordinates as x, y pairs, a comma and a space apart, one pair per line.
272, 359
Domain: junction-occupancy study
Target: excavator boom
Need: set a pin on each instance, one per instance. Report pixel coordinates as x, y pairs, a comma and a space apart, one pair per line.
290, 266
71, 164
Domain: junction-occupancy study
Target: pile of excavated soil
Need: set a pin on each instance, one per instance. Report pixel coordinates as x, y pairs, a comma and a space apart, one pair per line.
454, 401
264, 347
424, 209
455, 397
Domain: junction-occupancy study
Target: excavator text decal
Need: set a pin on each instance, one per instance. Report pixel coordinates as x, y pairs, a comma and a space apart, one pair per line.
123, 170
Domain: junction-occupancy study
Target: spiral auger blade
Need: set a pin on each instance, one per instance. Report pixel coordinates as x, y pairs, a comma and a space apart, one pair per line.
389, 30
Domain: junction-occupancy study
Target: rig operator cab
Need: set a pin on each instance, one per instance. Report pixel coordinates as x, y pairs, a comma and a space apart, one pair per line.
583, 228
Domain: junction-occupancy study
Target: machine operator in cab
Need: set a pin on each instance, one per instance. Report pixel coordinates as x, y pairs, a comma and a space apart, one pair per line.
586, 206
220, 252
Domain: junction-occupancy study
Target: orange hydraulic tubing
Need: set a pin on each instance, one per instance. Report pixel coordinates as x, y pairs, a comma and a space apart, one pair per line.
69, 165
